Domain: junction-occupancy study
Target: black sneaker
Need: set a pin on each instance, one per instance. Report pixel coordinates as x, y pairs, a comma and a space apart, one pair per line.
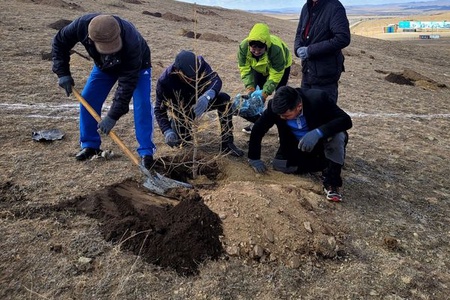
248, 129
232, 149
87, 153
332, 193
148, 161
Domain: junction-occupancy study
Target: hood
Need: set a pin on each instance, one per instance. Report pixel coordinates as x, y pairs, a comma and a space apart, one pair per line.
260, 32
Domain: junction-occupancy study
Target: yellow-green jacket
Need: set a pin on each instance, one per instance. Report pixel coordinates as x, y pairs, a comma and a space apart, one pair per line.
272, 63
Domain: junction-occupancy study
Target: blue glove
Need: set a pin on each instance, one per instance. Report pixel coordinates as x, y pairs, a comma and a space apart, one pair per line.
258, 93
171, 138
106, 125
309, 141
202, 102
302, 52
66, 82
257, 165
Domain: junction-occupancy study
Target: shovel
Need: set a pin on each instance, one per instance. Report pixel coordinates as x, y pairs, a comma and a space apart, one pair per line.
156, 182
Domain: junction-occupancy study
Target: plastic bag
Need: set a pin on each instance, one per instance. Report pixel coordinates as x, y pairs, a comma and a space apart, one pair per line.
47, 135
247, 107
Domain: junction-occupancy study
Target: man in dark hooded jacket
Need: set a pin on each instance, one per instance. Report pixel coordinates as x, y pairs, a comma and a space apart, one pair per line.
323, 31
184, 91
120, 55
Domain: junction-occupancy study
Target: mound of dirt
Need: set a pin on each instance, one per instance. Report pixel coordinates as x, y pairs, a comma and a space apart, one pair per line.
411, 77
132, 1
56, 3
398, 79
173, 17
153, 14
207, 12
190, 34
59, 24
213, 37
164, 232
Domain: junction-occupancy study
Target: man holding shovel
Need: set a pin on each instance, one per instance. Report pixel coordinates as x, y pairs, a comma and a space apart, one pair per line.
120, 55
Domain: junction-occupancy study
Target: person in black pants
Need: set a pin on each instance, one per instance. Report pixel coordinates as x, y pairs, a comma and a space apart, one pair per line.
188, 78
323, 31
312, 134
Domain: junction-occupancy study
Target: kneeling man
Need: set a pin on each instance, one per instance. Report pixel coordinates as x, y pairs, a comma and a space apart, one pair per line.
312, 133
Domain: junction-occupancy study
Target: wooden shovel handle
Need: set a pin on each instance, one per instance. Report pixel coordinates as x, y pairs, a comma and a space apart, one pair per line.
112, 134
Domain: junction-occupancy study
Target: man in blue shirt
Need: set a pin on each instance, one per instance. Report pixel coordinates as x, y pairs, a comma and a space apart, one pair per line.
312, 132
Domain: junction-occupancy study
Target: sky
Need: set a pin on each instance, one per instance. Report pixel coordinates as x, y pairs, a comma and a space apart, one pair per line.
271, 4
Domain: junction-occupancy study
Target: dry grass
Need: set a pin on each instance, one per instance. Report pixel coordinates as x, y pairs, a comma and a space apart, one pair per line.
396, 176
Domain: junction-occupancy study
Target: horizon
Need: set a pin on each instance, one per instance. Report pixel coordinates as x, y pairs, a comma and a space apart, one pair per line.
289, 4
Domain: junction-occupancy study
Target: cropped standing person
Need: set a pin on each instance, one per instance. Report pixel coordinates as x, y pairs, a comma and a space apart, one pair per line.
121, 55
188, 78
312, 134
264, 61
323, 31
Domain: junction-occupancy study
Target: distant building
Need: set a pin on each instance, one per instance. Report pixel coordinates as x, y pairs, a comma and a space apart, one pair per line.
424, 25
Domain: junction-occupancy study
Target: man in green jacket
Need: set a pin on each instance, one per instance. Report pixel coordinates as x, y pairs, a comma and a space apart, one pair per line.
264, 61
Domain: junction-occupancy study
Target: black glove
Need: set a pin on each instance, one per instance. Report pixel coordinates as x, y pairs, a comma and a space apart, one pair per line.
257, 165
171, 138
106, 125
66, 82
302, 52
309, 141
202, 102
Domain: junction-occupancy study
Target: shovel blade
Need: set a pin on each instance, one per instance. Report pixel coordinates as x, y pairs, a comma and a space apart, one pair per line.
155, 187
160, 184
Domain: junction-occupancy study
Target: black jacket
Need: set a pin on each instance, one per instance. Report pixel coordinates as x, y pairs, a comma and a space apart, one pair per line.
172, 92
328, 34
126, 64
318, 110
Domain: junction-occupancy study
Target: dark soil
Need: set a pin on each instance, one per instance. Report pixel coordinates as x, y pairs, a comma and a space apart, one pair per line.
179, 237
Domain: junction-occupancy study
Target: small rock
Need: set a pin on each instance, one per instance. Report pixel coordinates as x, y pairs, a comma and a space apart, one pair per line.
294, 262
56, 248
258, 251
391, 243
325, 246
307, 226
406, 279
84, 260
84, 264
269, 235
233, 250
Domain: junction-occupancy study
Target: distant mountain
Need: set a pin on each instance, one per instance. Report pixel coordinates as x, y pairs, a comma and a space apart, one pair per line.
408, 8
284, 10
394, 8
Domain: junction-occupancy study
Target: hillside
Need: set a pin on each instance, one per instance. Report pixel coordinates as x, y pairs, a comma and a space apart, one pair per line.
72, 230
